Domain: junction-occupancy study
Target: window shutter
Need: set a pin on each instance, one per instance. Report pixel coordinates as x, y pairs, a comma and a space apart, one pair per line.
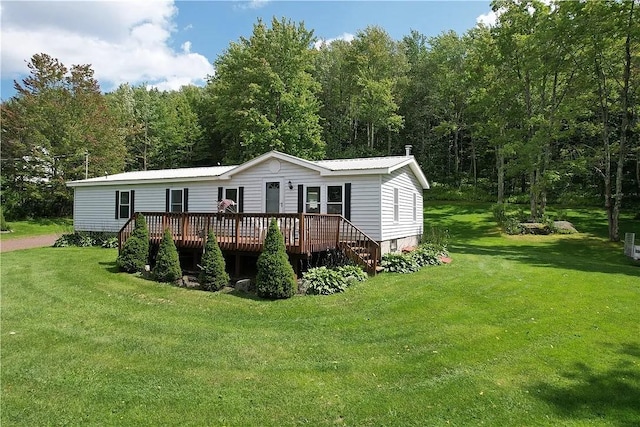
220, 197
300, 198
240, 199
132, 206
347, 201
117, 204
166, 201
185, 196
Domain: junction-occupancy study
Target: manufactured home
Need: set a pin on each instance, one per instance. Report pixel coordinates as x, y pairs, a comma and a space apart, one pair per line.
366, 206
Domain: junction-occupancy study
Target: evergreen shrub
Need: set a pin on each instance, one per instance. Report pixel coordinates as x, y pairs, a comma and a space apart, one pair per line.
275, 278
130, 258
135, 251
213, 276
167, 268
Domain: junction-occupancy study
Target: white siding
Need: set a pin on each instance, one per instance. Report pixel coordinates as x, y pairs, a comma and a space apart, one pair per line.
405, 181
371, 198
365, 191
94, 207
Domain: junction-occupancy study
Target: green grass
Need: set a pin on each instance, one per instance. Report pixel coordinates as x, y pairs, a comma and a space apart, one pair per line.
37, 227
526, 330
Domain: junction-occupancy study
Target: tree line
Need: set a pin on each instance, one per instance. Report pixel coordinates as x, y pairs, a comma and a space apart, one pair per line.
540, 107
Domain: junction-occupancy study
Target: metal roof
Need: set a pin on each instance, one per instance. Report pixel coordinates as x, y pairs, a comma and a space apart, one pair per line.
363, 163
155, 175
368, 165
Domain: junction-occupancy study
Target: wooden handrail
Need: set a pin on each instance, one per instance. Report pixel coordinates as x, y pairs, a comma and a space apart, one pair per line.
358, 246
303, 233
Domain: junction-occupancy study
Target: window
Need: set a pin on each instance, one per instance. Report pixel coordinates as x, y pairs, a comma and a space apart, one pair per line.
334, 199
313, 200
415, 207
396, 206
231, 194
176, 204
125, 204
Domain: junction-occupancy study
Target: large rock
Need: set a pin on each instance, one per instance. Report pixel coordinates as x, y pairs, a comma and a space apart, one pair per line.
564, 227
243, 285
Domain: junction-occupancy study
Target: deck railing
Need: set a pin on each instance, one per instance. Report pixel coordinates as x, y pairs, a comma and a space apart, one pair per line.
245, 232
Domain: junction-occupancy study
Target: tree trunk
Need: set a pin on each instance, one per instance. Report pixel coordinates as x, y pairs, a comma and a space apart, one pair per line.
533, 195
624, 131
500, 169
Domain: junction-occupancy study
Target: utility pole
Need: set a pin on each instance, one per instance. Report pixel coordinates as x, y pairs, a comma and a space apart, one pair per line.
86, 164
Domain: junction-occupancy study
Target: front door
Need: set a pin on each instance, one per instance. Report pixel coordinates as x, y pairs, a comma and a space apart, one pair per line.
272, 196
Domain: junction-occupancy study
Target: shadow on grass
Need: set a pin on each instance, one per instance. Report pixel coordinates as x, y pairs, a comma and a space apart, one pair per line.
611, 395
469, 220
582, 254
111, 267
463, 221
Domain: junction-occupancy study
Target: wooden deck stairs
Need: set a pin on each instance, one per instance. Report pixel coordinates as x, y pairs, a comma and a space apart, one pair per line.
304, 234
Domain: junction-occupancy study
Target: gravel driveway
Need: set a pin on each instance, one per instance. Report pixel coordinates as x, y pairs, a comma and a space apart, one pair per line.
28, 242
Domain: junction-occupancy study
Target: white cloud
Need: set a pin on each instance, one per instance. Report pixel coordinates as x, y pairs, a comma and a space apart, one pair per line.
488, 19
123, 41
348, 37
251, 4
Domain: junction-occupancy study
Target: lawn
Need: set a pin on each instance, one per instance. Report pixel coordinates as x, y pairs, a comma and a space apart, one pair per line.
539, 330
38, 226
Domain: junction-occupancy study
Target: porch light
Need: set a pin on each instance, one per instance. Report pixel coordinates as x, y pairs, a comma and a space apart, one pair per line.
290, 186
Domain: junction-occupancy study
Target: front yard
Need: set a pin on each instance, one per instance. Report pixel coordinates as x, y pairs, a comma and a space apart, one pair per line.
517, 330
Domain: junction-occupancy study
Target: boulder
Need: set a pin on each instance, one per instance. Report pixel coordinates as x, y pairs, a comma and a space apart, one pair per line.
243, 285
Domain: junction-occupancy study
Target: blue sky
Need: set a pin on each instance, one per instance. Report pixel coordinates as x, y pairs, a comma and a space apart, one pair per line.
167, 44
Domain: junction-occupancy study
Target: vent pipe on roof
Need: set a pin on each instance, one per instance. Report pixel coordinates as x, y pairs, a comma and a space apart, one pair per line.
407, 149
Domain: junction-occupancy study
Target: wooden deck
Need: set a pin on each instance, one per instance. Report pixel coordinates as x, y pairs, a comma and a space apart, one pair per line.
304, 234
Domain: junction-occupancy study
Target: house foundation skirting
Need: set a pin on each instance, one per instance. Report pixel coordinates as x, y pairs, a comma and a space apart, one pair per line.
397, 245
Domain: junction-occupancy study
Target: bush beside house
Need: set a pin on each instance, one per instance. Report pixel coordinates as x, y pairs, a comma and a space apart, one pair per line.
275, 278
213, 276
167, 268
135, 251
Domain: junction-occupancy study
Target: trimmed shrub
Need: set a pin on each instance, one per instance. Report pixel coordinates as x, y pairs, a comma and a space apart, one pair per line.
399, 263
275, 278
130, 259
3, 223
213, 276
324, 281
167, 268
141, 231
135, 251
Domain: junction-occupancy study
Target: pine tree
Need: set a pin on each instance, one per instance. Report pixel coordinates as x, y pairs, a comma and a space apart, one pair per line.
213, 276
276, 278
135, 251
167, 268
